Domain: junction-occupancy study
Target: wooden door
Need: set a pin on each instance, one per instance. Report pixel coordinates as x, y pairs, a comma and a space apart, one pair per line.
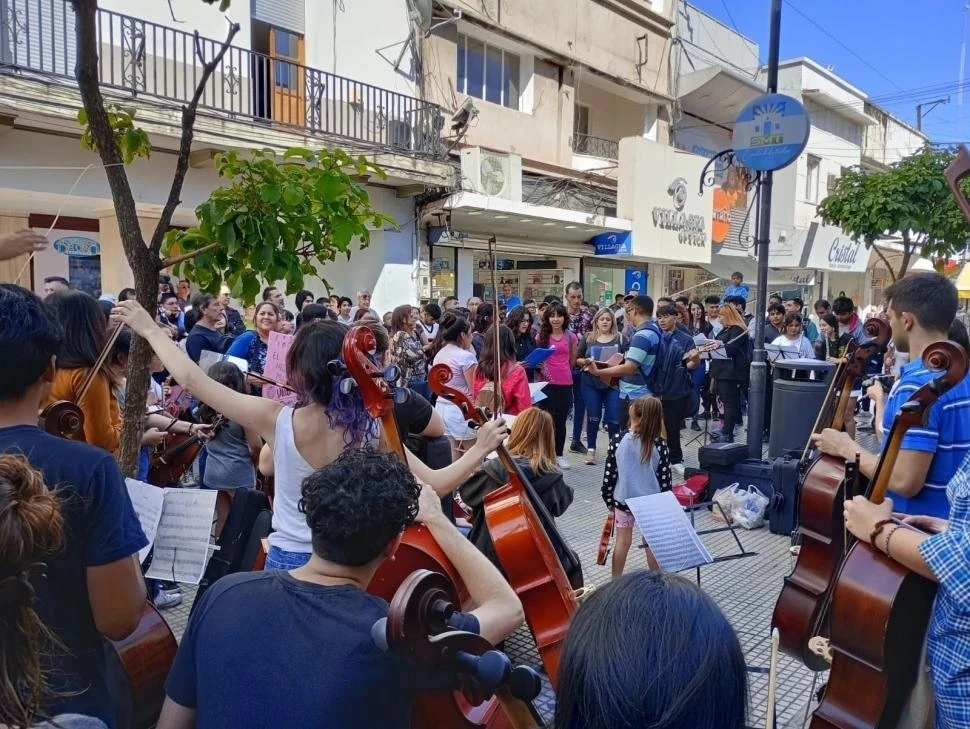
287, 54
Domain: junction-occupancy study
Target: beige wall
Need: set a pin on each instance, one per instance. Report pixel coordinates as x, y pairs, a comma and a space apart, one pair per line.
610, 116
16, 269
115, 273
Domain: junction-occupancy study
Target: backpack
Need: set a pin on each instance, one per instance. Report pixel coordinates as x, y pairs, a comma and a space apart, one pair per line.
669, 379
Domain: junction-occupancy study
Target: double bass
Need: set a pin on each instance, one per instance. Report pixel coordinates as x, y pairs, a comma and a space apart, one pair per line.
880, 609
418, 549
799, 612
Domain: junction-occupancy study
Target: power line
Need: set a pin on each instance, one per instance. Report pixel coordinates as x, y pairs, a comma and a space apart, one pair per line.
846, 47
736, 30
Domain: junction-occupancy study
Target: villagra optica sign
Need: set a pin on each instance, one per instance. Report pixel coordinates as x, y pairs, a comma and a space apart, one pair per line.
770, 132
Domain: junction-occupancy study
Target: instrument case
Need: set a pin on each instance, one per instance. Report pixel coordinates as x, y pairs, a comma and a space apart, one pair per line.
721, 454
783, 509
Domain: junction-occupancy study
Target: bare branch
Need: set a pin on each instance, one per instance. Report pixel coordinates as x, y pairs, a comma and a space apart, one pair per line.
175, 260
189, 113
89, 84
889, 268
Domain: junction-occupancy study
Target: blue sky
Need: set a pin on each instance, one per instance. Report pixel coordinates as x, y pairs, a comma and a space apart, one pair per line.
908, 47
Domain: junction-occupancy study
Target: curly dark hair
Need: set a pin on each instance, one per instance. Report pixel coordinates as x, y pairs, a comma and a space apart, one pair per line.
545, 331
358, 504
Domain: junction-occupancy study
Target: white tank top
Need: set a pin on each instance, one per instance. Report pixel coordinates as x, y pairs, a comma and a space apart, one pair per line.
290, 530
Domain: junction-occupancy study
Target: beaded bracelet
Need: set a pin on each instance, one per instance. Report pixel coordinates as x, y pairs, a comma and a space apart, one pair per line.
889, 535
877, 530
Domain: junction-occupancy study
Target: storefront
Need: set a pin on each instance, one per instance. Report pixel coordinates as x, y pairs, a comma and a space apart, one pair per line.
74, 253
610, 271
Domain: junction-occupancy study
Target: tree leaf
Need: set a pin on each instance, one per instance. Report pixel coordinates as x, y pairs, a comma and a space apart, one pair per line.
342, 233
270, 194
292, 196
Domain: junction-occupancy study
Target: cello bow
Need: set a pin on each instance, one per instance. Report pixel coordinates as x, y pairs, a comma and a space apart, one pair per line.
418, 549
879, 608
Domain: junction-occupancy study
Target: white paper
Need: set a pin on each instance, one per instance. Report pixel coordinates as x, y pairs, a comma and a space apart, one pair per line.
207, 358
668, 532
182, 543
535, 388
775, 351
148, 501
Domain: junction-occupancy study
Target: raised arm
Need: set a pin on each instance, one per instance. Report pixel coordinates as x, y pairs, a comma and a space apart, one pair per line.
445, 480
251, 412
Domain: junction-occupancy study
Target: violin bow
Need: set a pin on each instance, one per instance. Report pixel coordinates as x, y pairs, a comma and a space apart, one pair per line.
102, 358
497, 401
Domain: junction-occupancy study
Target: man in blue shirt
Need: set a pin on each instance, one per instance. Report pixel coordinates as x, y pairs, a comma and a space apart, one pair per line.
294, 648
94, 585
737, 287
634, 371
920, 308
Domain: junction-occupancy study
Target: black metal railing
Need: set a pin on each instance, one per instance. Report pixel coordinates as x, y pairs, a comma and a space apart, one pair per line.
145, 59
595, 146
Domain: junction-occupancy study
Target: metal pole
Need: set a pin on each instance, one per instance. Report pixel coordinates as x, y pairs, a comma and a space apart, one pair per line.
757, 385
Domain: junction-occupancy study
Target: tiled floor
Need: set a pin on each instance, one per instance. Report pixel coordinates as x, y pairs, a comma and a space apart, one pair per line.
745, 589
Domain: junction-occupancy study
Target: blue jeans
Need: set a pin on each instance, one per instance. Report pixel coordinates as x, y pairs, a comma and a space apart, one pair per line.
596, 399
280, 559
579, 406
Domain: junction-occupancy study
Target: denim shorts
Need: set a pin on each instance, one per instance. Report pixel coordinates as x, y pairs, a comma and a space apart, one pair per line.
280, 559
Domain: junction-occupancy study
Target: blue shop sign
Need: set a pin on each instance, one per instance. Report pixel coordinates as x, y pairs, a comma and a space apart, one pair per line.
613, 244
76, 245
635, 280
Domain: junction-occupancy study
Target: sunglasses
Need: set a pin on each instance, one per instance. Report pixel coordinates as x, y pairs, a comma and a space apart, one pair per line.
958, 170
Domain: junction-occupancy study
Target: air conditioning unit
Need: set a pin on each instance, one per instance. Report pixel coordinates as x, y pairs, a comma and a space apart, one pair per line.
492, 173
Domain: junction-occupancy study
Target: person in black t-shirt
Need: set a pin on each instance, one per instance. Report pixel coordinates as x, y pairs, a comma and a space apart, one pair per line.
204, 336
94, 585
313, 623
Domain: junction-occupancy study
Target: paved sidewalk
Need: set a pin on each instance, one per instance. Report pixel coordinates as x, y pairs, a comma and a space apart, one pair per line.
745, 589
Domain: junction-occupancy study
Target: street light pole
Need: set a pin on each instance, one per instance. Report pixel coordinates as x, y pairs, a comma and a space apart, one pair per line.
757, 386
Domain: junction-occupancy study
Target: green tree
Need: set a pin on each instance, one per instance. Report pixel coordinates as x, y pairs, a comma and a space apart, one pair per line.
910, 200
274, 220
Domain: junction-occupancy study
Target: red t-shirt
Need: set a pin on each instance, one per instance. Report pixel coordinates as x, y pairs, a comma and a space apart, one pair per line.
515, 387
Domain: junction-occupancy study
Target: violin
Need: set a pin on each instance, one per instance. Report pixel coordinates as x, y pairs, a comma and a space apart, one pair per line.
880, 609
64, 418
540, 566
609, 526
418, 549
172, 458
416, 626
799, 612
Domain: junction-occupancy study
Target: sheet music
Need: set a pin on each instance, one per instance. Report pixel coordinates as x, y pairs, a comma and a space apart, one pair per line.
207, 358
535, 388
148, 501
668, 531
720, 353
182, 542
776, 351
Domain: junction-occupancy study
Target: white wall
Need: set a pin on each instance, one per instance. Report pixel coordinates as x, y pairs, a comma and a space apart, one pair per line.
709, 42
360, 29
193, 14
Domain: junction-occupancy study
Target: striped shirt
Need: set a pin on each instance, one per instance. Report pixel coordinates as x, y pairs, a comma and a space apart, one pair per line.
644, 346
946, 434
948, 641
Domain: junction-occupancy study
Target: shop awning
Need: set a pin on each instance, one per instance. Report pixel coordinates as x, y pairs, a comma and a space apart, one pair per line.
481, 216
724, 266
717, 94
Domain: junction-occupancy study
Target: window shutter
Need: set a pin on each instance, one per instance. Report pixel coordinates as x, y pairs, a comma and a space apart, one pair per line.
830, 183
286, 14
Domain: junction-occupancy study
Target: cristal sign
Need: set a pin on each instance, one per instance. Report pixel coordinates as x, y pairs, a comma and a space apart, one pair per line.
770, 132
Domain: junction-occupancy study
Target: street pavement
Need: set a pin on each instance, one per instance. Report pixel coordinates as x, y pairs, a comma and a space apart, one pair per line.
744, 588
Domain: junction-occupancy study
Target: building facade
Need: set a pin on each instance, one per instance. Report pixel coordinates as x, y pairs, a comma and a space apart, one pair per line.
276, 88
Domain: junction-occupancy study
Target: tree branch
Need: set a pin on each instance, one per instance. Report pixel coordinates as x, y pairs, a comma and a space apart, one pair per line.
89, 84
175, 260
884, 260
188, 132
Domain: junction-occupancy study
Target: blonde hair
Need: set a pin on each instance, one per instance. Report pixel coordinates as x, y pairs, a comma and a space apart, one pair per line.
532, 438
730, 317
594, 332
649, 416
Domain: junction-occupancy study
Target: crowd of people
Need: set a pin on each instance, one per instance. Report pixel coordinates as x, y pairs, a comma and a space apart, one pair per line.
650, 645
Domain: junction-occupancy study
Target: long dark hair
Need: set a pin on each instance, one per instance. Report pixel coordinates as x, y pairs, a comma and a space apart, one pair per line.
484, 318
84, 328
515, 317
506, 343
315, 345
697, 324
450, 328
545, 331
651, 650
31, 529
225, 373
831, 319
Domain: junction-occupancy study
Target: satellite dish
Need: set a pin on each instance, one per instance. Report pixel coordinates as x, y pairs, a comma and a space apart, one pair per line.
420, 12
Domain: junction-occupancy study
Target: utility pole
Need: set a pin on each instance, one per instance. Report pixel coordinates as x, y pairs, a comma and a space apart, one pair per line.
758, 383
932, 105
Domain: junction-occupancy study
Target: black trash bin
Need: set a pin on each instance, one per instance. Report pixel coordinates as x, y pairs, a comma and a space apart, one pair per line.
799, 390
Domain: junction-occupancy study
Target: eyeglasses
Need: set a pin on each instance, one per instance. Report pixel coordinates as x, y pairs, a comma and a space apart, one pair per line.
959, 169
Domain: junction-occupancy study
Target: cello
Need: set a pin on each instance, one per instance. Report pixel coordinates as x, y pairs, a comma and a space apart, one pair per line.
415, 626
418, 549
799, 612
880, 609
540, 566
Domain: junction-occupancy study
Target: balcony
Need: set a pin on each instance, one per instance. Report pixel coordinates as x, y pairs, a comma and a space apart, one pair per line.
590, 146
141, 59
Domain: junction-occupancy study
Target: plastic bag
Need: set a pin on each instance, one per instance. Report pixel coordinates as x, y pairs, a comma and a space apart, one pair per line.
726, 499
749, 508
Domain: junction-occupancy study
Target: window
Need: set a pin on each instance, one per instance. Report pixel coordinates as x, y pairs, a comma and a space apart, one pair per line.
581, 119
286, 48
811, 179
488, 72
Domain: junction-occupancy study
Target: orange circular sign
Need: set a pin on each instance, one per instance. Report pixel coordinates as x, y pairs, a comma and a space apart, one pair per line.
721, 222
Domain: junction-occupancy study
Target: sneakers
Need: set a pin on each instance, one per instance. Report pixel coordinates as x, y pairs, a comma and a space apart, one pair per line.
591, 457
164, 600
563, 463
576, 447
